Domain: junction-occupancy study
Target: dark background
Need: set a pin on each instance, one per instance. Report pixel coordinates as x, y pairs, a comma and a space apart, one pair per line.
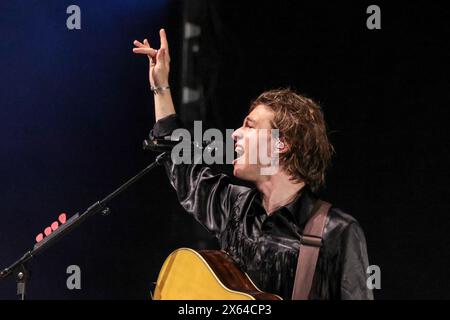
75, 107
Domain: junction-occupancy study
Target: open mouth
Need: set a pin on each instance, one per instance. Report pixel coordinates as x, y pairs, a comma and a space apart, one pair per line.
239, 152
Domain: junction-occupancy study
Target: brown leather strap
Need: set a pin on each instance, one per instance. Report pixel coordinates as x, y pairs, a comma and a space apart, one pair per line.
309, 251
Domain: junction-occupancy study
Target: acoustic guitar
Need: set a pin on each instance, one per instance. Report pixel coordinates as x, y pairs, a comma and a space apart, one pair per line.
205, 275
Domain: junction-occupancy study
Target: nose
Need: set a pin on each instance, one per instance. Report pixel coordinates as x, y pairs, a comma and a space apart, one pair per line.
237, 134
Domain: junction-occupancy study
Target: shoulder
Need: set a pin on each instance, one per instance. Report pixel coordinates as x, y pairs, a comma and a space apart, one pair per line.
342, 228
242, 195
339, 221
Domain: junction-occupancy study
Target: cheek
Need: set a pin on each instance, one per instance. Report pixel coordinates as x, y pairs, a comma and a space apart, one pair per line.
251, 143
271, 147
258, 147
260, 142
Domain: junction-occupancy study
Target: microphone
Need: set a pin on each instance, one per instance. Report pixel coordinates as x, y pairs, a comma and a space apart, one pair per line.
168, 143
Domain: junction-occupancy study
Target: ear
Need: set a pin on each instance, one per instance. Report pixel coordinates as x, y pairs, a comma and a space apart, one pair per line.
281, 146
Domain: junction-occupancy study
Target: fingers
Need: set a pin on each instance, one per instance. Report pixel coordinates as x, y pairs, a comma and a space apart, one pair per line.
163, 39
144, 48
139, 44
153, 54
149, 51
161, 56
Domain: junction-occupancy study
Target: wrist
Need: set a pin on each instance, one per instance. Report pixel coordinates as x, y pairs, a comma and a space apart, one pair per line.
159, 89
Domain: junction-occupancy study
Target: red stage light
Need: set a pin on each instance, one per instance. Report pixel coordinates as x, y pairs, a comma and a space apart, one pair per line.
54, 225
62, 218
39, 237
47, 231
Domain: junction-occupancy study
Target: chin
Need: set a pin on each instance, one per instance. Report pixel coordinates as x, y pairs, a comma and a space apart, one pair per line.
236, 172
242, 172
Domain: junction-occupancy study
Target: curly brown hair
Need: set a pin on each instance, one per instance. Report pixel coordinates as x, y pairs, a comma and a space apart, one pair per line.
302, 126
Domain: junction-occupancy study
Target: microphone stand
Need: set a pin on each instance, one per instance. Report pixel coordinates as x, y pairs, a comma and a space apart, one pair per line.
19, 268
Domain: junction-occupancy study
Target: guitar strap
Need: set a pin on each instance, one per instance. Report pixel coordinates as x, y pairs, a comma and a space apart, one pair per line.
310, 245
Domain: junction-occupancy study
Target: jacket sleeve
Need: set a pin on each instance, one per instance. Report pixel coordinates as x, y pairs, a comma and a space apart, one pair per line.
354, 264
208, 197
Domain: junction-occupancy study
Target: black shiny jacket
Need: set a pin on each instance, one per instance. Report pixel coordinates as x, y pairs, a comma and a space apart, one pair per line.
266, 247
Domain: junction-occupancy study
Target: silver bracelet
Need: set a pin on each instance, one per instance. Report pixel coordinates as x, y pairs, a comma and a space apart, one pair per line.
157, 90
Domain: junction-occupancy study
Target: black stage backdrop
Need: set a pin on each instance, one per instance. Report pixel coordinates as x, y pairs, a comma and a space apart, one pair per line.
75, 107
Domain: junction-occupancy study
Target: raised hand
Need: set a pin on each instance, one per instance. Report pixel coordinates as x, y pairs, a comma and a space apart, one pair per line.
159, 60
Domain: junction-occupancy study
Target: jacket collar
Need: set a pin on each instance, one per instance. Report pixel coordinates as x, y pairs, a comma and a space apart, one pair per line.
300, 209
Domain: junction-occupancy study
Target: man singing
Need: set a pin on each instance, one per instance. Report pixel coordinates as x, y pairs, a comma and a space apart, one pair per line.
262, 227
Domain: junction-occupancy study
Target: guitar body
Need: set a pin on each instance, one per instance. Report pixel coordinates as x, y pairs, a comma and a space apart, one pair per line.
205, 275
